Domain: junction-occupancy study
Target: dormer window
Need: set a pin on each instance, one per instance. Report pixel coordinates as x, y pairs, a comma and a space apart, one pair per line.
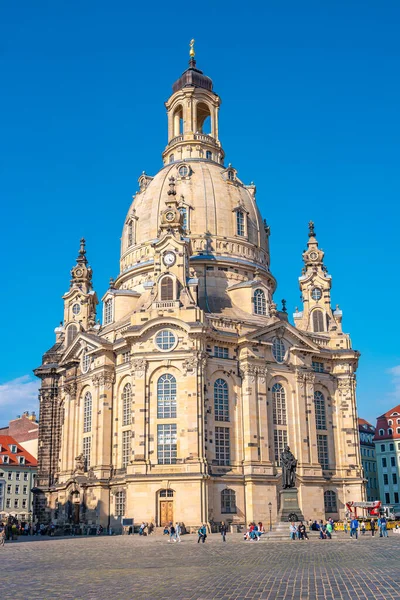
108, 311
390, 431
381, 432
390, 422
260, 305
240, 223
166, 289
6, 459
14, 449
21, 460
231, 175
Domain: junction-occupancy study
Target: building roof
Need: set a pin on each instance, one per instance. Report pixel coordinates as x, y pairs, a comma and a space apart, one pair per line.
389, 424
365, 426
6, 441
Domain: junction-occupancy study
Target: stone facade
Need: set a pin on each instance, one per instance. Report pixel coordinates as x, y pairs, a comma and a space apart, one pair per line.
178, 405
387, 446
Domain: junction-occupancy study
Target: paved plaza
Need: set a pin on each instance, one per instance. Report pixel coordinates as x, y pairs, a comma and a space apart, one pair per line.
132, 567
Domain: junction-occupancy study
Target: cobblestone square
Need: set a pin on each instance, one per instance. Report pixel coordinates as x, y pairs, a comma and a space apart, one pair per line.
127, 567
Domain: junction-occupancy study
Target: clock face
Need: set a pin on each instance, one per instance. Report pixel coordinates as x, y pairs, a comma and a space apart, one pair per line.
169, 259
313, 256
170, 216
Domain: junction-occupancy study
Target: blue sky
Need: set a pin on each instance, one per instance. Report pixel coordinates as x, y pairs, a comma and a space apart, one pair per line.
310, 95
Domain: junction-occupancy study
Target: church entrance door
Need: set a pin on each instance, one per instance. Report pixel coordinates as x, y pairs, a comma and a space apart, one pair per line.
166, 512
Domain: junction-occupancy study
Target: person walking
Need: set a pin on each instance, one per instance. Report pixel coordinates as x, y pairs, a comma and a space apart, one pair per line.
172, 536
2, 534
178, 531
202, 533
354, 525
362, 527
372, 525
223, 530
329, 529
384, 527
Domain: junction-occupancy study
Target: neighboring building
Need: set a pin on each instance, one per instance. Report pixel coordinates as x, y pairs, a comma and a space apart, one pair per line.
18, 469
387, 446
179, 405
25, 430
368, 459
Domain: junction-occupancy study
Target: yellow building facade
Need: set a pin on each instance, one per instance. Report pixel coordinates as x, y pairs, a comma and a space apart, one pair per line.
177, 406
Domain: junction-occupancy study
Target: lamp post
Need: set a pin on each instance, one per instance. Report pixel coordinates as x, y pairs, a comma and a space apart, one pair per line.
270, 518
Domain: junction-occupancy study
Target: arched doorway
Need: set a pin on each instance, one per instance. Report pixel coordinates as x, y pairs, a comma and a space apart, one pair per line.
166, 507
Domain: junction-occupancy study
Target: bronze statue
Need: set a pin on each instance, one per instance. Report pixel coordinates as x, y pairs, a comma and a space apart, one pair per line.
288, 464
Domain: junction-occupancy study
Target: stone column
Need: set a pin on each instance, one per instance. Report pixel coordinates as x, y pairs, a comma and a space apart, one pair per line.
141, 416
102, 426
250, 414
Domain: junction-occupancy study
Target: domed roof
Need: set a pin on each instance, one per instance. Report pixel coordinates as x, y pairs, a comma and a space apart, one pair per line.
212, 195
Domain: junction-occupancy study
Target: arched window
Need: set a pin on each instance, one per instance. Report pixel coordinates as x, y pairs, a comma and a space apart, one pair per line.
260, 306
320, 413
390, 431
208, 155
330, 501
108, 311
381, 432
120, 500
87, 413
221, 400
390, 422
72, 332
240, 229
278, 350
231, 175
166, 397
278, 404
167, 493
167, 289
126, 404
86, 360
183, 211
203, 118
318, 320
228, 501
178, 121
171, 158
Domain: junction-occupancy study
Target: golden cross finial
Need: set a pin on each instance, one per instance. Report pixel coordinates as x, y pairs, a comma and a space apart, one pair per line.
191, 52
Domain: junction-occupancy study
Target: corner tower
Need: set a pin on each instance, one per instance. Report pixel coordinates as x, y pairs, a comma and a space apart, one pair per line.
193, 117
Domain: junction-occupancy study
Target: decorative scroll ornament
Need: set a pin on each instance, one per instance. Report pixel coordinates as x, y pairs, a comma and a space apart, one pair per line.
138, 366
71, 389
345, 385
253, 371
103, 380
194, 362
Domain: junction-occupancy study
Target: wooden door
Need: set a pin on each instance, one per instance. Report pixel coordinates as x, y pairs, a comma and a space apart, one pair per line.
166, 512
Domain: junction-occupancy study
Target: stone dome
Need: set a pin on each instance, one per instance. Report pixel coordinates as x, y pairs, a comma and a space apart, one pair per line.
212, 195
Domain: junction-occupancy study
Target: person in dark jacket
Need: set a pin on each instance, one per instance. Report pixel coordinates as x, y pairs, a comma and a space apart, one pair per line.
223, 530
202, 533
372, 525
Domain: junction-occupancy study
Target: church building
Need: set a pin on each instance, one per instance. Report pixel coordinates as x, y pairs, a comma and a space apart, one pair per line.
177, 406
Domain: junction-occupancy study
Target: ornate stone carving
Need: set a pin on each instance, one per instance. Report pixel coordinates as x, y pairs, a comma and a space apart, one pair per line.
103, 380
71, 389
80, 464
195, 361
252, 371
138, 366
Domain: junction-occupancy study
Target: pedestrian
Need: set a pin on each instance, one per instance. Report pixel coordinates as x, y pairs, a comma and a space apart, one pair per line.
329, 529
354, 525
2, 534
345, 525
202, 533
172, 536
372, 525
293, 530
223, 530
384, 527
178, 531
362, 527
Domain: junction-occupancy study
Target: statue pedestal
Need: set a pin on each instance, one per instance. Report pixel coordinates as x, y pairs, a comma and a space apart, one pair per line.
289, 505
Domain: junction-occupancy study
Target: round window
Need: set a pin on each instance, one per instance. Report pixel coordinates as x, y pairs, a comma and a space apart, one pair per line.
316, 294
183, 171
76, 309
165, 340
